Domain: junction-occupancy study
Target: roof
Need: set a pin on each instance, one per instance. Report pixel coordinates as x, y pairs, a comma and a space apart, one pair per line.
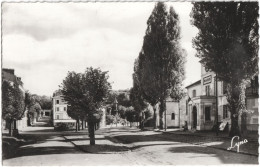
8, 74
195, 83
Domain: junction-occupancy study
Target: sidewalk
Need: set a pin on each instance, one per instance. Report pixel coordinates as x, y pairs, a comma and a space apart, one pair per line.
222, 141
103, 145
253, 136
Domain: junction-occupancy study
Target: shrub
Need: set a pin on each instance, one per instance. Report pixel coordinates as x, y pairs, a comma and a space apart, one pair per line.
62, 126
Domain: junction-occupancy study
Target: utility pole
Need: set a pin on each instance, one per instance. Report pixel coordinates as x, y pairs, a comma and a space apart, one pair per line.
216, 104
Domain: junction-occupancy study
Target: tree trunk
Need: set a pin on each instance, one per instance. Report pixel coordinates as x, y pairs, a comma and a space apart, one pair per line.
244, 125
162, 110
234, 126
155, 116
236, 99
140, 120
15, 125
82, 124
78, 125
91, 131
10, 127
28, 120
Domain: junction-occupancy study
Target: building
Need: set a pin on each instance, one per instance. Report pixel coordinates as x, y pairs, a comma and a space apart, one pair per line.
201, 103
45, 113
60, 110
9, 75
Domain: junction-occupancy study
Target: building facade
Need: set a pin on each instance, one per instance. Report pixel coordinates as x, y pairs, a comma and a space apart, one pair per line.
60, 110
9, 75
203, 98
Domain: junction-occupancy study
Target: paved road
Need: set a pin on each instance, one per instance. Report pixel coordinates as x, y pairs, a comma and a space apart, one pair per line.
164, 149
145, 148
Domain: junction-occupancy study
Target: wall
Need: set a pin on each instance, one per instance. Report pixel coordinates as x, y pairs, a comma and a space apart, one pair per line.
63, 116
172, 108
194, 87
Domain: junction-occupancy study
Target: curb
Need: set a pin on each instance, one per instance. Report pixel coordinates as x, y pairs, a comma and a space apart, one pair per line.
241, 152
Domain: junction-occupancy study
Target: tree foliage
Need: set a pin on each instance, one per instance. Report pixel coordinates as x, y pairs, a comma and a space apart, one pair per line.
13, 103
227, 43
85, 94
159, 68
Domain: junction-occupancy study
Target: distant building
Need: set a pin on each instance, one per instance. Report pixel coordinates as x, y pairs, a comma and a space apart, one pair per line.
45, 113
60, 109
9, 75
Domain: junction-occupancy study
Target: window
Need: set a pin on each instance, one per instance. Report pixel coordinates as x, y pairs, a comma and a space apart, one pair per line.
207, 89
255, 120
57, 117
65, 108
225, 111
173, 116
57, 102
207, 113
194, 93
57, 109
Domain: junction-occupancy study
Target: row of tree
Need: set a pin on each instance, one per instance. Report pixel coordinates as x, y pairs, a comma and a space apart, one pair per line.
85, 94
15, 103
227, 43
159, 68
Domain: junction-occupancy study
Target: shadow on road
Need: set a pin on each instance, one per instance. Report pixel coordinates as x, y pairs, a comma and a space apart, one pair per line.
224, 157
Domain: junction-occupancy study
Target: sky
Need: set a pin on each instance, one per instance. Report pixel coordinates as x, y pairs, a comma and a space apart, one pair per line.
43, 41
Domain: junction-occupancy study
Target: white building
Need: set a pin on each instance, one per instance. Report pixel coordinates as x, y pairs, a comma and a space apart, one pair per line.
201, 107
60, 109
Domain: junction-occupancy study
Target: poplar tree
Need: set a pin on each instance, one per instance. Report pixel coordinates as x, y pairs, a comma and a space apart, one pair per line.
227, 43
161, 60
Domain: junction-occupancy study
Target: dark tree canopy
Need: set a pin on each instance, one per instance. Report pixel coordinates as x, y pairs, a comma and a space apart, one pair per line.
227, 43
159, 69
160, 64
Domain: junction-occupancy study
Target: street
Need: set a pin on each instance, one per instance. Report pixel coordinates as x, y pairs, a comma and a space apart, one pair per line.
117, 146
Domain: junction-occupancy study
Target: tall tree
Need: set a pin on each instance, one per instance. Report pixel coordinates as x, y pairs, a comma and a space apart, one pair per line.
137, 99
85, 94
12, 104
72, 89
227, 43
161, 60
